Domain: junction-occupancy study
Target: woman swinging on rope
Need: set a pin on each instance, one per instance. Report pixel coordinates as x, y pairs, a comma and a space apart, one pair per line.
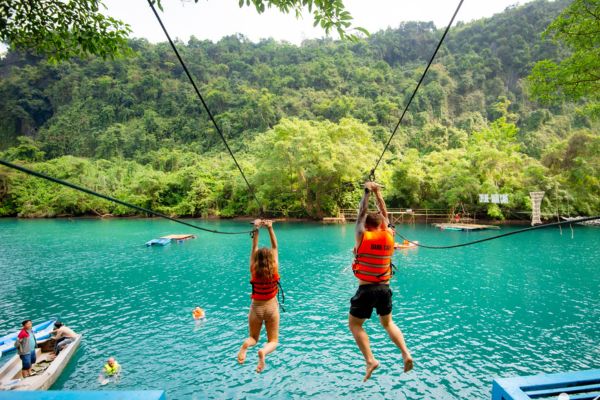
265, 286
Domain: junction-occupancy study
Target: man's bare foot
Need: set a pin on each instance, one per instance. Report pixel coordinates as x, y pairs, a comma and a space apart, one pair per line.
242, 354
408, 364
371, 366
261, 361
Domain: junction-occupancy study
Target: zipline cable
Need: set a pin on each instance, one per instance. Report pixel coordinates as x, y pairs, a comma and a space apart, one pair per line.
372, 173
531, 228
191, 79
114, 200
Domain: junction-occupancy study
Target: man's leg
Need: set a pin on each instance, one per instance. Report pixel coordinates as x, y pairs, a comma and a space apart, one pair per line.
362, 340
26, 364
398, 338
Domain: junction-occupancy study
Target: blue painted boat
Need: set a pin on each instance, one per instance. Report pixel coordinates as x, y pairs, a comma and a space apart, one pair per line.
40, 331
158, 242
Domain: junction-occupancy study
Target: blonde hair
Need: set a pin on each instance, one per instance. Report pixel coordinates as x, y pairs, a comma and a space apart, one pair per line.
263, 264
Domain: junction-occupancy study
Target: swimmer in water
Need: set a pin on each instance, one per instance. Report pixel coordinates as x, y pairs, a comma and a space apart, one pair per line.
199, 317
198, 314
111, 370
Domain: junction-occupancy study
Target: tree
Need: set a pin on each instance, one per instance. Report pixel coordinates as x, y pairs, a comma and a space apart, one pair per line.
61, 30
578, 75
310, 168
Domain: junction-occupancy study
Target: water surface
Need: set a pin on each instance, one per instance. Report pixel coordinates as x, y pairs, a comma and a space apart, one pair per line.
521, 305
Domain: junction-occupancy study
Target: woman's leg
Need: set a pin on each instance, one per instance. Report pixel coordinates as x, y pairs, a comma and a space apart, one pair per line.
254, 326
272, 326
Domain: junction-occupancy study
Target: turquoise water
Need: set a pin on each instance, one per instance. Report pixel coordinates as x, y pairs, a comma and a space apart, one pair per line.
520, 305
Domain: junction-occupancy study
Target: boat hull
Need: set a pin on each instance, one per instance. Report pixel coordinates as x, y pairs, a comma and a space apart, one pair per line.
10, 373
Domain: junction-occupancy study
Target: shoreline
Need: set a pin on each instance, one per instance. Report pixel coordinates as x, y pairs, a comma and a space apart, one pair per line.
507, 222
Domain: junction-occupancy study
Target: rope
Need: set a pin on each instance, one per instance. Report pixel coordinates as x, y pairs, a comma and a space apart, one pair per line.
187, 72
531, 228
372, 174
114, 200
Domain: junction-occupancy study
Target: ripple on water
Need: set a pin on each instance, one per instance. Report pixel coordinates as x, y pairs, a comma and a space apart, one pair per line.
514, 307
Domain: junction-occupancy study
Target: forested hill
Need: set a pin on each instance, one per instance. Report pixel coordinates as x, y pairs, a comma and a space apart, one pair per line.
307, 122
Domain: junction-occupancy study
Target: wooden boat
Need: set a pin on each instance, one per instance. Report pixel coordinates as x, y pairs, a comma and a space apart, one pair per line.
46, 371
40, 331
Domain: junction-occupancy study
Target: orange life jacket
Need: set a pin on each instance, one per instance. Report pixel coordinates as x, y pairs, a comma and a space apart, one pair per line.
373, 258
264, 289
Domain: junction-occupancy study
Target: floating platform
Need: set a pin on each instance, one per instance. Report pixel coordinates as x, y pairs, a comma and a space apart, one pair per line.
165, 240
464, 227
580, 385
158, 242
404, 246
184, 236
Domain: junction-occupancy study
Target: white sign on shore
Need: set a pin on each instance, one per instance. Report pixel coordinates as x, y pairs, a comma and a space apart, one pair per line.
496, 198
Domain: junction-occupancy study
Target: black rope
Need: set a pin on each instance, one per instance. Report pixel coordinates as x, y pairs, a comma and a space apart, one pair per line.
114, 200
531, 228
372, 173
187, 72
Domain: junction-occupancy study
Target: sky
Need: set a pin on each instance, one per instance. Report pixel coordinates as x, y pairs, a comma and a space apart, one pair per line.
213, 19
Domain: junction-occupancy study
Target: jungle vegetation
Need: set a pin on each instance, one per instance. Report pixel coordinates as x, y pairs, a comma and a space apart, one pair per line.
510, 106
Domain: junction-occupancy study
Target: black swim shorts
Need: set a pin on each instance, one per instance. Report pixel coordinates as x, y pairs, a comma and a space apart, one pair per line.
367, 297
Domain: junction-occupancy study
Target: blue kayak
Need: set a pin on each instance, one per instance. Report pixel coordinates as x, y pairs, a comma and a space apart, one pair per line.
40, 331
158, 242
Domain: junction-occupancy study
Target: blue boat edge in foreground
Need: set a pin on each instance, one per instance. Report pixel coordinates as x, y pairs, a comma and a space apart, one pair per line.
578, 385
85, 395
41, 332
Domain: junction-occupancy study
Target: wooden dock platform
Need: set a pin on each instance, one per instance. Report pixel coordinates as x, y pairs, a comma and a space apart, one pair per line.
334, 220
464, 227
404, 215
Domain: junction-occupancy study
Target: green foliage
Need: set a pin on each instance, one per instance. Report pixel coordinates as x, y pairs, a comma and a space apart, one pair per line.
306, 122
307, 168
576, 76
61, 30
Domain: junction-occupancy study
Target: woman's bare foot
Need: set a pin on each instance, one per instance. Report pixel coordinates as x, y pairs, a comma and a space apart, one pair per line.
261, 361
408, 363
371, 366
241, 357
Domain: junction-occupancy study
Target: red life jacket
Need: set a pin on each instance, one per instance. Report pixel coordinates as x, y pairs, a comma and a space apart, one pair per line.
373, 258
263, 289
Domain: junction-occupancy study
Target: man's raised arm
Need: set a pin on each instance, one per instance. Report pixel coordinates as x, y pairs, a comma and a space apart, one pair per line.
362, 216
381, 204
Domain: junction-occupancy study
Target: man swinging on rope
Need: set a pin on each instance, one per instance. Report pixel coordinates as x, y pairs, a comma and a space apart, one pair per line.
373, 268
